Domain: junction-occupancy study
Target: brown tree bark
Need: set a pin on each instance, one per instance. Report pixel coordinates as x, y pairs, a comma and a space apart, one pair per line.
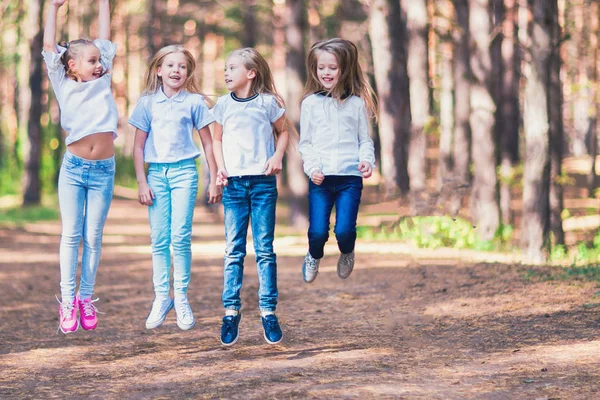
295, 74
388, 37
592, 179
555, 107
536, 178
418, 69
249, 23
484, 195
32, 153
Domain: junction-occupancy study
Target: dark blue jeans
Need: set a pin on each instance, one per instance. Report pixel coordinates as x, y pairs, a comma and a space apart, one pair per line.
250, 199
344, 192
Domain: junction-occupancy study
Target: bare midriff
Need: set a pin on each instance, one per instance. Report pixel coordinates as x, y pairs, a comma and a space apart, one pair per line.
94, 147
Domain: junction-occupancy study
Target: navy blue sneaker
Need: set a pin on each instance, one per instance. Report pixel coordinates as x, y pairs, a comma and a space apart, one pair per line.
272, 329
230, 329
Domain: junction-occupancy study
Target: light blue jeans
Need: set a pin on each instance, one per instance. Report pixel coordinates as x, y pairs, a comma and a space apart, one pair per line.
245, 199
175, 186
85, 190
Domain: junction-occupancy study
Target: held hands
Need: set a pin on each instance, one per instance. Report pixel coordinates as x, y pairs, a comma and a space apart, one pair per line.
273, 166
317, 177
215, 193
366, 169
222, 178
145, 194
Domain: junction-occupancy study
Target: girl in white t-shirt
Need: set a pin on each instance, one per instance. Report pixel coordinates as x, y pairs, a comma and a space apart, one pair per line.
165, 118
336, 148
251, 135
80, 75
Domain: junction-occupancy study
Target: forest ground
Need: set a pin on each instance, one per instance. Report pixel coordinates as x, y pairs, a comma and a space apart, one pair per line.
414, 324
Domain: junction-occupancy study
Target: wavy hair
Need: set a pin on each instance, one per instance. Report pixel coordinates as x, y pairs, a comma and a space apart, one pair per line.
73, 51
351, 81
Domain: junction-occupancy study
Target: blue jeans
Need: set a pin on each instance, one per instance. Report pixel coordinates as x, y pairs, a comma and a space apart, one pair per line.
344, 192
175, 186
85, 190
250, 198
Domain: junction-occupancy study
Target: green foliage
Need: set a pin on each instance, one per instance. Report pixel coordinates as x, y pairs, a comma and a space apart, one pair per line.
21, 215
436, 232
125, 171
586, 273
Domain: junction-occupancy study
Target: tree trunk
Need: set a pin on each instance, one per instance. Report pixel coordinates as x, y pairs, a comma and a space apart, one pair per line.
295, 76
249, 20
388, 38
462, 90
555, 106
418, 69
581, 96
536, 177
592, 180
32, 148
484, 196
509, 109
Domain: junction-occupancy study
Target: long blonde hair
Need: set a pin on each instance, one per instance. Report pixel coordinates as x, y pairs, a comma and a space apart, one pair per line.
153, 82
73, 49
351, 81
263, 82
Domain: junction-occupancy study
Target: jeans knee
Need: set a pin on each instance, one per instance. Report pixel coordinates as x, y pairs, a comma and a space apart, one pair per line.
318, 235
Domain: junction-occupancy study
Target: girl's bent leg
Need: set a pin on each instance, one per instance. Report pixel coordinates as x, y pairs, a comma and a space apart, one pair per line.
159, 215
236, 204
184, 188
263, 199
348, 193
71, 199
320, 203
99, 196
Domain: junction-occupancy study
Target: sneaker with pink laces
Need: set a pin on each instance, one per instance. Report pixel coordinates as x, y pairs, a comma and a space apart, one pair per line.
87, 314
67, 312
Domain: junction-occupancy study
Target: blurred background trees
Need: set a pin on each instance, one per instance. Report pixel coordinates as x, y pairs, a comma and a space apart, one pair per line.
489, 95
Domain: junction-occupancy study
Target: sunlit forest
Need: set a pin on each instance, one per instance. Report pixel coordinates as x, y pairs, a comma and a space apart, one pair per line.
487, 98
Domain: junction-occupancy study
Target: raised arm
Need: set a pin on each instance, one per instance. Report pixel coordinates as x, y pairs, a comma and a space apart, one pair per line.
104, 19
50, 27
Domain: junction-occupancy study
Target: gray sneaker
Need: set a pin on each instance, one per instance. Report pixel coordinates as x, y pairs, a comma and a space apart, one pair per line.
345, 265
310, 268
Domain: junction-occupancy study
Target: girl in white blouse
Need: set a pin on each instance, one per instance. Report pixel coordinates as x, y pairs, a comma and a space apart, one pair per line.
336, 148
80, 75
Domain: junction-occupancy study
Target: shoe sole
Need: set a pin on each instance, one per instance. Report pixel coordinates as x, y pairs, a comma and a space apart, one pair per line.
268, 341
161, 321
185, 327
236, 336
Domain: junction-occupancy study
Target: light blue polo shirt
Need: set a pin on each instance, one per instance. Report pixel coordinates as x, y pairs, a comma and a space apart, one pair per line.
170, 123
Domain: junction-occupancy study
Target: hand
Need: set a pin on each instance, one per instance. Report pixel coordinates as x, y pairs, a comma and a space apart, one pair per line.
273, 166
145, 194
317, 177
58, 3
366, 169
222, 178
215, 193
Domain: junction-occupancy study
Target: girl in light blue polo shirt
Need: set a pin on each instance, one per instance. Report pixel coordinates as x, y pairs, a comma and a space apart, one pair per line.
165, 116
251, 135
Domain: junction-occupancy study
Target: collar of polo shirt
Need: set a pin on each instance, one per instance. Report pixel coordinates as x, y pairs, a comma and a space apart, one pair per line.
162, 97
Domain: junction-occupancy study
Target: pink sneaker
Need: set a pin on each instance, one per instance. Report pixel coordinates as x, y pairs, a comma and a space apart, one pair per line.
87, 314
67, 316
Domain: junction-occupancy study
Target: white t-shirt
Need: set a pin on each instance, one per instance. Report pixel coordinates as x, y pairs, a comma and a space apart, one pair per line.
248, 137
85, 107
170, 123
334, 137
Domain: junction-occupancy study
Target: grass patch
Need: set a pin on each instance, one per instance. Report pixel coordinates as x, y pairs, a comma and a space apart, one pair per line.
22, 215
585, 273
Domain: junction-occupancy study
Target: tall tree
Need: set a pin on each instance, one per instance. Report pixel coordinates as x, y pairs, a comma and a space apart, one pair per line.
249, 23
387, 30
32, 148
556, 128
592, 181
536, 177
484, 195
418, 76
295, 75
509, 112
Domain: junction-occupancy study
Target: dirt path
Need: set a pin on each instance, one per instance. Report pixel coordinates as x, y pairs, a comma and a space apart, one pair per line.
399, 327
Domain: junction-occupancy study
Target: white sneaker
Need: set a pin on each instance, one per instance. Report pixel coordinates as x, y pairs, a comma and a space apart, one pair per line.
310, 268
185, 316
160, 308
345, 265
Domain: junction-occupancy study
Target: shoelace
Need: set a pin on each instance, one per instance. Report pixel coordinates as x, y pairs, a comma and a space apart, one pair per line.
65, 307
184, 309
271, 320
311, 263
89, 308
156, 311
347, 259
228, 322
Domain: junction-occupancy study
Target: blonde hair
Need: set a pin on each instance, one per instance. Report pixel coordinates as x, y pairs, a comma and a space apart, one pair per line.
351, 81
153, 82
263, 82
74, 48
